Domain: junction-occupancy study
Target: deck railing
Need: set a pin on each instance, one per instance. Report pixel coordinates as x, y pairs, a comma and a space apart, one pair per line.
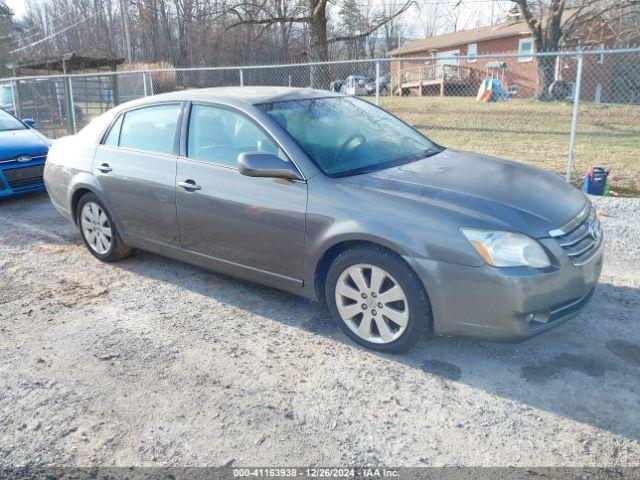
432, 73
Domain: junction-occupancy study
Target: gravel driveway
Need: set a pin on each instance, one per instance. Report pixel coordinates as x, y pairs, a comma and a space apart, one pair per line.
153, 362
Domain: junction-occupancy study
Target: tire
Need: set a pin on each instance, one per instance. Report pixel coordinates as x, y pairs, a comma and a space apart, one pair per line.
414, 309
105, 248
559, 90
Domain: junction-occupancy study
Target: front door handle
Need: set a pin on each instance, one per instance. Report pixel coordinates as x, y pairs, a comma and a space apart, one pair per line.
189, 185
104, 168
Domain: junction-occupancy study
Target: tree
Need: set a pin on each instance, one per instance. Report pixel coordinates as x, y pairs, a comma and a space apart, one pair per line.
551, 29
312, 14
353, 21
7, 30
547, 34
454, 17
430, 16
392, 31
187, 33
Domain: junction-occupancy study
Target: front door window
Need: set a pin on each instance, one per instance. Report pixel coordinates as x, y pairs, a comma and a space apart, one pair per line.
219, 135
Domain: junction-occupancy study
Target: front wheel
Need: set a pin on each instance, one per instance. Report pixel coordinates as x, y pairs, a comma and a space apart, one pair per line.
377, 299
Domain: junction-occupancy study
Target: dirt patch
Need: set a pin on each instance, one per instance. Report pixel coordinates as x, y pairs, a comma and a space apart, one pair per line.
556, 367
627, 351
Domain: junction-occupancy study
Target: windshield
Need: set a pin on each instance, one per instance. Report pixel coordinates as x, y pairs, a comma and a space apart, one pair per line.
347, 136
9, 122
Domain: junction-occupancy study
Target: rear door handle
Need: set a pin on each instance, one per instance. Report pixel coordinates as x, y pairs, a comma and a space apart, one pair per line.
189, 185
104, 168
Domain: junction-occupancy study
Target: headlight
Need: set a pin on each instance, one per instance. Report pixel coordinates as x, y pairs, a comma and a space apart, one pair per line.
506, 249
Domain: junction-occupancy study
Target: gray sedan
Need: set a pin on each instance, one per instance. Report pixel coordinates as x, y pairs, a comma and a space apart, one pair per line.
334, 199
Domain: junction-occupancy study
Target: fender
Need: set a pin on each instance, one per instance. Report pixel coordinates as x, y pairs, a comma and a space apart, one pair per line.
344, 232
86, 181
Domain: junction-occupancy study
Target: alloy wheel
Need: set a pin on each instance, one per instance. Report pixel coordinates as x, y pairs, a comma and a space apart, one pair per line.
96, 228
372, 303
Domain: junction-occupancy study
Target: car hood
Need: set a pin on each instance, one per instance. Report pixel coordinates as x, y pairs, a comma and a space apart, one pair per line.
483, 191
22, 142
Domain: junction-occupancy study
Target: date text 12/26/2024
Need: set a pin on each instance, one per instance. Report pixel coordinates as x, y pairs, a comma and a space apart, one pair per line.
315, 472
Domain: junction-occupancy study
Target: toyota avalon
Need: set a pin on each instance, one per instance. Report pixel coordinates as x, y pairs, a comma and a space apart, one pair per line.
334, 199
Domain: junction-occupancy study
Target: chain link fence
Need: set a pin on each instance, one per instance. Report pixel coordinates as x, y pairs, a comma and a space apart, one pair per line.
483, 103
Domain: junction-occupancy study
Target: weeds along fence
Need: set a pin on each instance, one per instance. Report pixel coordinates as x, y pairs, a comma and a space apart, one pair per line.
486, 103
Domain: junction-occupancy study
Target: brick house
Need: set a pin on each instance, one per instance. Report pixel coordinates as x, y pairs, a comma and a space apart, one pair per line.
462, 76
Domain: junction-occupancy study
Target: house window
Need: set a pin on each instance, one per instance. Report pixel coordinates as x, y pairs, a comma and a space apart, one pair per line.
472, 51
525, 50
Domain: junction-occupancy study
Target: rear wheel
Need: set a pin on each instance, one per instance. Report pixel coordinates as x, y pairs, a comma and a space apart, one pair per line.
377, 299
99, 232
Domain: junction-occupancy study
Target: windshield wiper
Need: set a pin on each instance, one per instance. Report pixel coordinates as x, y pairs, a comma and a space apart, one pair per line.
430, 152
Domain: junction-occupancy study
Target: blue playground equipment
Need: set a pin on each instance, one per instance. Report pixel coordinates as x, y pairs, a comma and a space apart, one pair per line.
494, 87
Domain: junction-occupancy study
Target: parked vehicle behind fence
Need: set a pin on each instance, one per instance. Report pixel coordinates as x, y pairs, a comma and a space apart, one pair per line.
383, 86
355, 85
42, 100
23, 151
334, 199
336, 86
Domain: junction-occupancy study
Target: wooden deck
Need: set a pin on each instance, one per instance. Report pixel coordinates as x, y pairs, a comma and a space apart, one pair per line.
428, 75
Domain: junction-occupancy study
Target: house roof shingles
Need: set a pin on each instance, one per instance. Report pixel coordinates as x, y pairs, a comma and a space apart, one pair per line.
470, 36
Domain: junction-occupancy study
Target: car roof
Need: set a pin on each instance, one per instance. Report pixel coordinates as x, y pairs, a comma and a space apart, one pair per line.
235, 96
252, 95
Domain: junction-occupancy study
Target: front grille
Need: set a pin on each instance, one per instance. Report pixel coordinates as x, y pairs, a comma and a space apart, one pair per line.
15, 158
581, 241
25, 177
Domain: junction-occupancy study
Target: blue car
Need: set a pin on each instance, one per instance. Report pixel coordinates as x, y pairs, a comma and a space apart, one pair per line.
23, 151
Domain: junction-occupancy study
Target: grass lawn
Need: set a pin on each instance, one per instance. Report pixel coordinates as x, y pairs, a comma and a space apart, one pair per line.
534, 132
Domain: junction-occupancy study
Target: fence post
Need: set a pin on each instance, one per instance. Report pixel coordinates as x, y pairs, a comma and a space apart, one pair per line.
15, 98
241, 78
574, 118
114, 88
73, 107
378, 83
151, 84
144, 81
71, 110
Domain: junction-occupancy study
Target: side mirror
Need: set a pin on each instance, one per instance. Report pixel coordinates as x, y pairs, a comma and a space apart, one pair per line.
262, 164
29, 122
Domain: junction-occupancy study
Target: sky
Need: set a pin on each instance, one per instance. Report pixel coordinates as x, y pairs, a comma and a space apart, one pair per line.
18, 7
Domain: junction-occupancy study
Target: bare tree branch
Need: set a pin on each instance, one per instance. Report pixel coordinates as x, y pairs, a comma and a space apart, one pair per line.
386, 19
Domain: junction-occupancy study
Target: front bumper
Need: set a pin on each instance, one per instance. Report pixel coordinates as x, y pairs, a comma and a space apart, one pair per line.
18, 178
508, 303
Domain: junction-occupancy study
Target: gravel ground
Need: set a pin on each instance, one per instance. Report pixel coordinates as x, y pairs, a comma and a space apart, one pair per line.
152, 362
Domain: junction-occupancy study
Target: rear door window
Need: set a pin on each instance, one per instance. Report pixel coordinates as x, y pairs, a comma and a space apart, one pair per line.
113, 136
151, 129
